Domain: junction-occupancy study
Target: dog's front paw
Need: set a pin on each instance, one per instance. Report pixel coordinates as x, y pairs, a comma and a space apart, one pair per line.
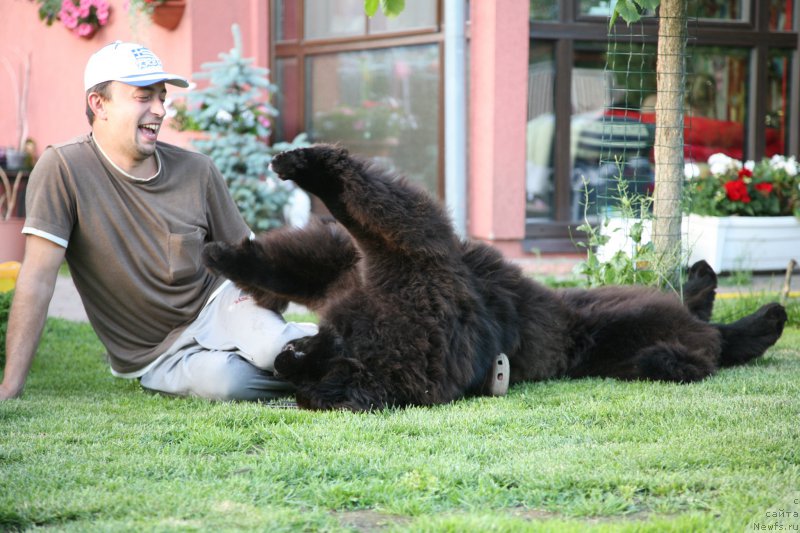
289, 163
307, 166
289, 361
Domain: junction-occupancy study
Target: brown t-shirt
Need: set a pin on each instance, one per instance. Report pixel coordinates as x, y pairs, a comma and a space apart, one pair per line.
133, 246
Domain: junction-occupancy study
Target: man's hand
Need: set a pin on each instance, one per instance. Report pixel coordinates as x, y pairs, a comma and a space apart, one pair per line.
7, 392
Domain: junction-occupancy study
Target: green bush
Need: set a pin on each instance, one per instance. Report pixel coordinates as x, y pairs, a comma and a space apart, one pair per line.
235, 113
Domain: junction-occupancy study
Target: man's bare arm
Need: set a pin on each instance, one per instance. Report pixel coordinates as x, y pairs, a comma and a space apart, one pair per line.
32, 295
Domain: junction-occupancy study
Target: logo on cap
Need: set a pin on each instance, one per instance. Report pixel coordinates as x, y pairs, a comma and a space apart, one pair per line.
145, 59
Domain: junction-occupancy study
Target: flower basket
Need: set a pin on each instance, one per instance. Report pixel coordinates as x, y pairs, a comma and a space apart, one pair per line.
84, 18
742, 216
729, 187
168, 14
742, 243
757, 244
12, 241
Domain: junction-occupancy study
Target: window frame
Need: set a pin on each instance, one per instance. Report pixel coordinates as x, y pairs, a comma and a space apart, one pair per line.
560, 233
301, 49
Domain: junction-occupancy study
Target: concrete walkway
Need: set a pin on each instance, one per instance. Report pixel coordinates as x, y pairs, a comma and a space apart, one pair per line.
66, 303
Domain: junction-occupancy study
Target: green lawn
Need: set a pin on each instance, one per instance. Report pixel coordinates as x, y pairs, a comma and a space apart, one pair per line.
85, 451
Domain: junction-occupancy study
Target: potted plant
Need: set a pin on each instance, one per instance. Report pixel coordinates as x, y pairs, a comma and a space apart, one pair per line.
49, 11
12, 241
743, 215
164, 13
15, 155
84, 17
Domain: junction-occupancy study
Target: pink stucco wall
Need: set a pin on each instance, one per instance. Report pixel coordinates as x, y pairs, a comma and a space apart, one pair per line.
55, 102
498, 95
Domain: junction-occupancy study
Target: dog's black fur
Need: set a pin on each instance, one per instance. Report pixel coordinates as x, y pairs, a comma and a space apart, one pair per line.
412, 315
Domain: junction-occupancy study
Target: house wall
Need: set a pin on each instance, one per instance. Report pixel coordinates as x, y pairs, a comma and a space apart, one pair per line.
55, 101
498, 82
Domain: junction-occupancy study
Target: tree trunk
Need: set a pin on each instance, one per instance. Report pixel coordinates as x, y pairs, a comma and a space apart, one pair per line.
669, 161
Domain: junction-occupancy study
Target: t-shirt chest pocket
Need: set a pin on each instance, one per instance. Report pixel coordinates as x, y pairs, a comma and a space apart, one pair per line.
185, 255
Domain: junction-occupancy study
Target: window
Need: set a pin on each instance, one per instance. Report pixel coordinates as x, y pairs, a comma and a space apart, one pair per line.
378, 103
611, 126
718, 9
544, 10
541, 133
587, 108
779, 87
781, 15
601, 8
372, 84
328, 20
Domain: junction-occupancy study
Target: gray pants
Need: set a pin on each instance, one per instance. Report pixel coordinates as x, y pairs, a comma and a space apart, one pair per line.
227, 353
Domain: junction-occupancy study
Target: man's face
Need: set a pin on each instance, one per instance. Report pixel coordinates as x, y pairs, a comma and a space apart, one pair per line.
134, 117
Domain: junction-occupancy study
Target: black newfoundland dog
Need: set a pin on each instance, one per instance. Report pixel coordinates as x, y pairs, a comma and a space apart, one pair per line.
412, 315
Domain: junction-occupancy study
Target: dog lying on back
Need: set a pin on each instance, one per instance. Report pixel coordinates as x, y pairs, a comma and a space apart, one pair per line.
412, 315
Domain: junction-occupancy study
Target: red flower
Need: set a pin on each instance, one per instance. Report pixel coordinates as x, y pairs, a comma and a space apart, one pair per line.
745, 173
764, 188
737, 191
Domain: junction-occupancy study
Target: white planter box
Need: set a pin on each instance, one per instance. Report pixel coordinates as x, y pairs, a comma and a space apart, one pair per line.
726, 243
742, 243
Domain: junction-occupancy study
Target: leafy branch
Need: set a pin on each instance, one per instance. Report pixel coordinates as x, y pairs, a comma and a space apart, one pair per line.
631, 10
390, 8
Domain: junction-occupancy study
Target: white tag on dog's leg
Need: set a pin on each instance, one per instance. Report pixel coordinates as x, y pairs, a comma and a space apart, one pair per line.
501, 372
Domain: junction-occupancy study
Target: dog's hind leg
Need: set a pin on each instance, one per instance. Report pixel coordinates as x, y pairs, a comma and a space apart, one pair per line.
749, 337
671, 362
663, 361
700, 290
660, 361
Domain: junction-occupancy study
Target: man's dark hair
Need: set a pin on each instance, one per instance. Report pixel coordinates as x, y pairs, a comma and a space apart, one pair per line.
104, 90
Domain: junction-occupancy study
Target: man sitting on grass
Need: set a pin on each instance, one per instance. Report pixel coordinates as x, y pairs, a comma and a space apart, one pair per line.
131, 216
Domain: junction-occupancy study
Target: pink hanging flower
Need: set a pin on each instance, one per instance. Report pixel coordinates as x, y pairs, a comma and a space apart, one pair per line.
84, 17
69, 21
102, 15
85, 9
85, 29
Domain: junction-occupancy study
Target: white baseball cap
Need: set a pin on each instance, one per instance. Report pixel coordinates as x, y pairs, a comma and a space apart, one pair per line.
129, 63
